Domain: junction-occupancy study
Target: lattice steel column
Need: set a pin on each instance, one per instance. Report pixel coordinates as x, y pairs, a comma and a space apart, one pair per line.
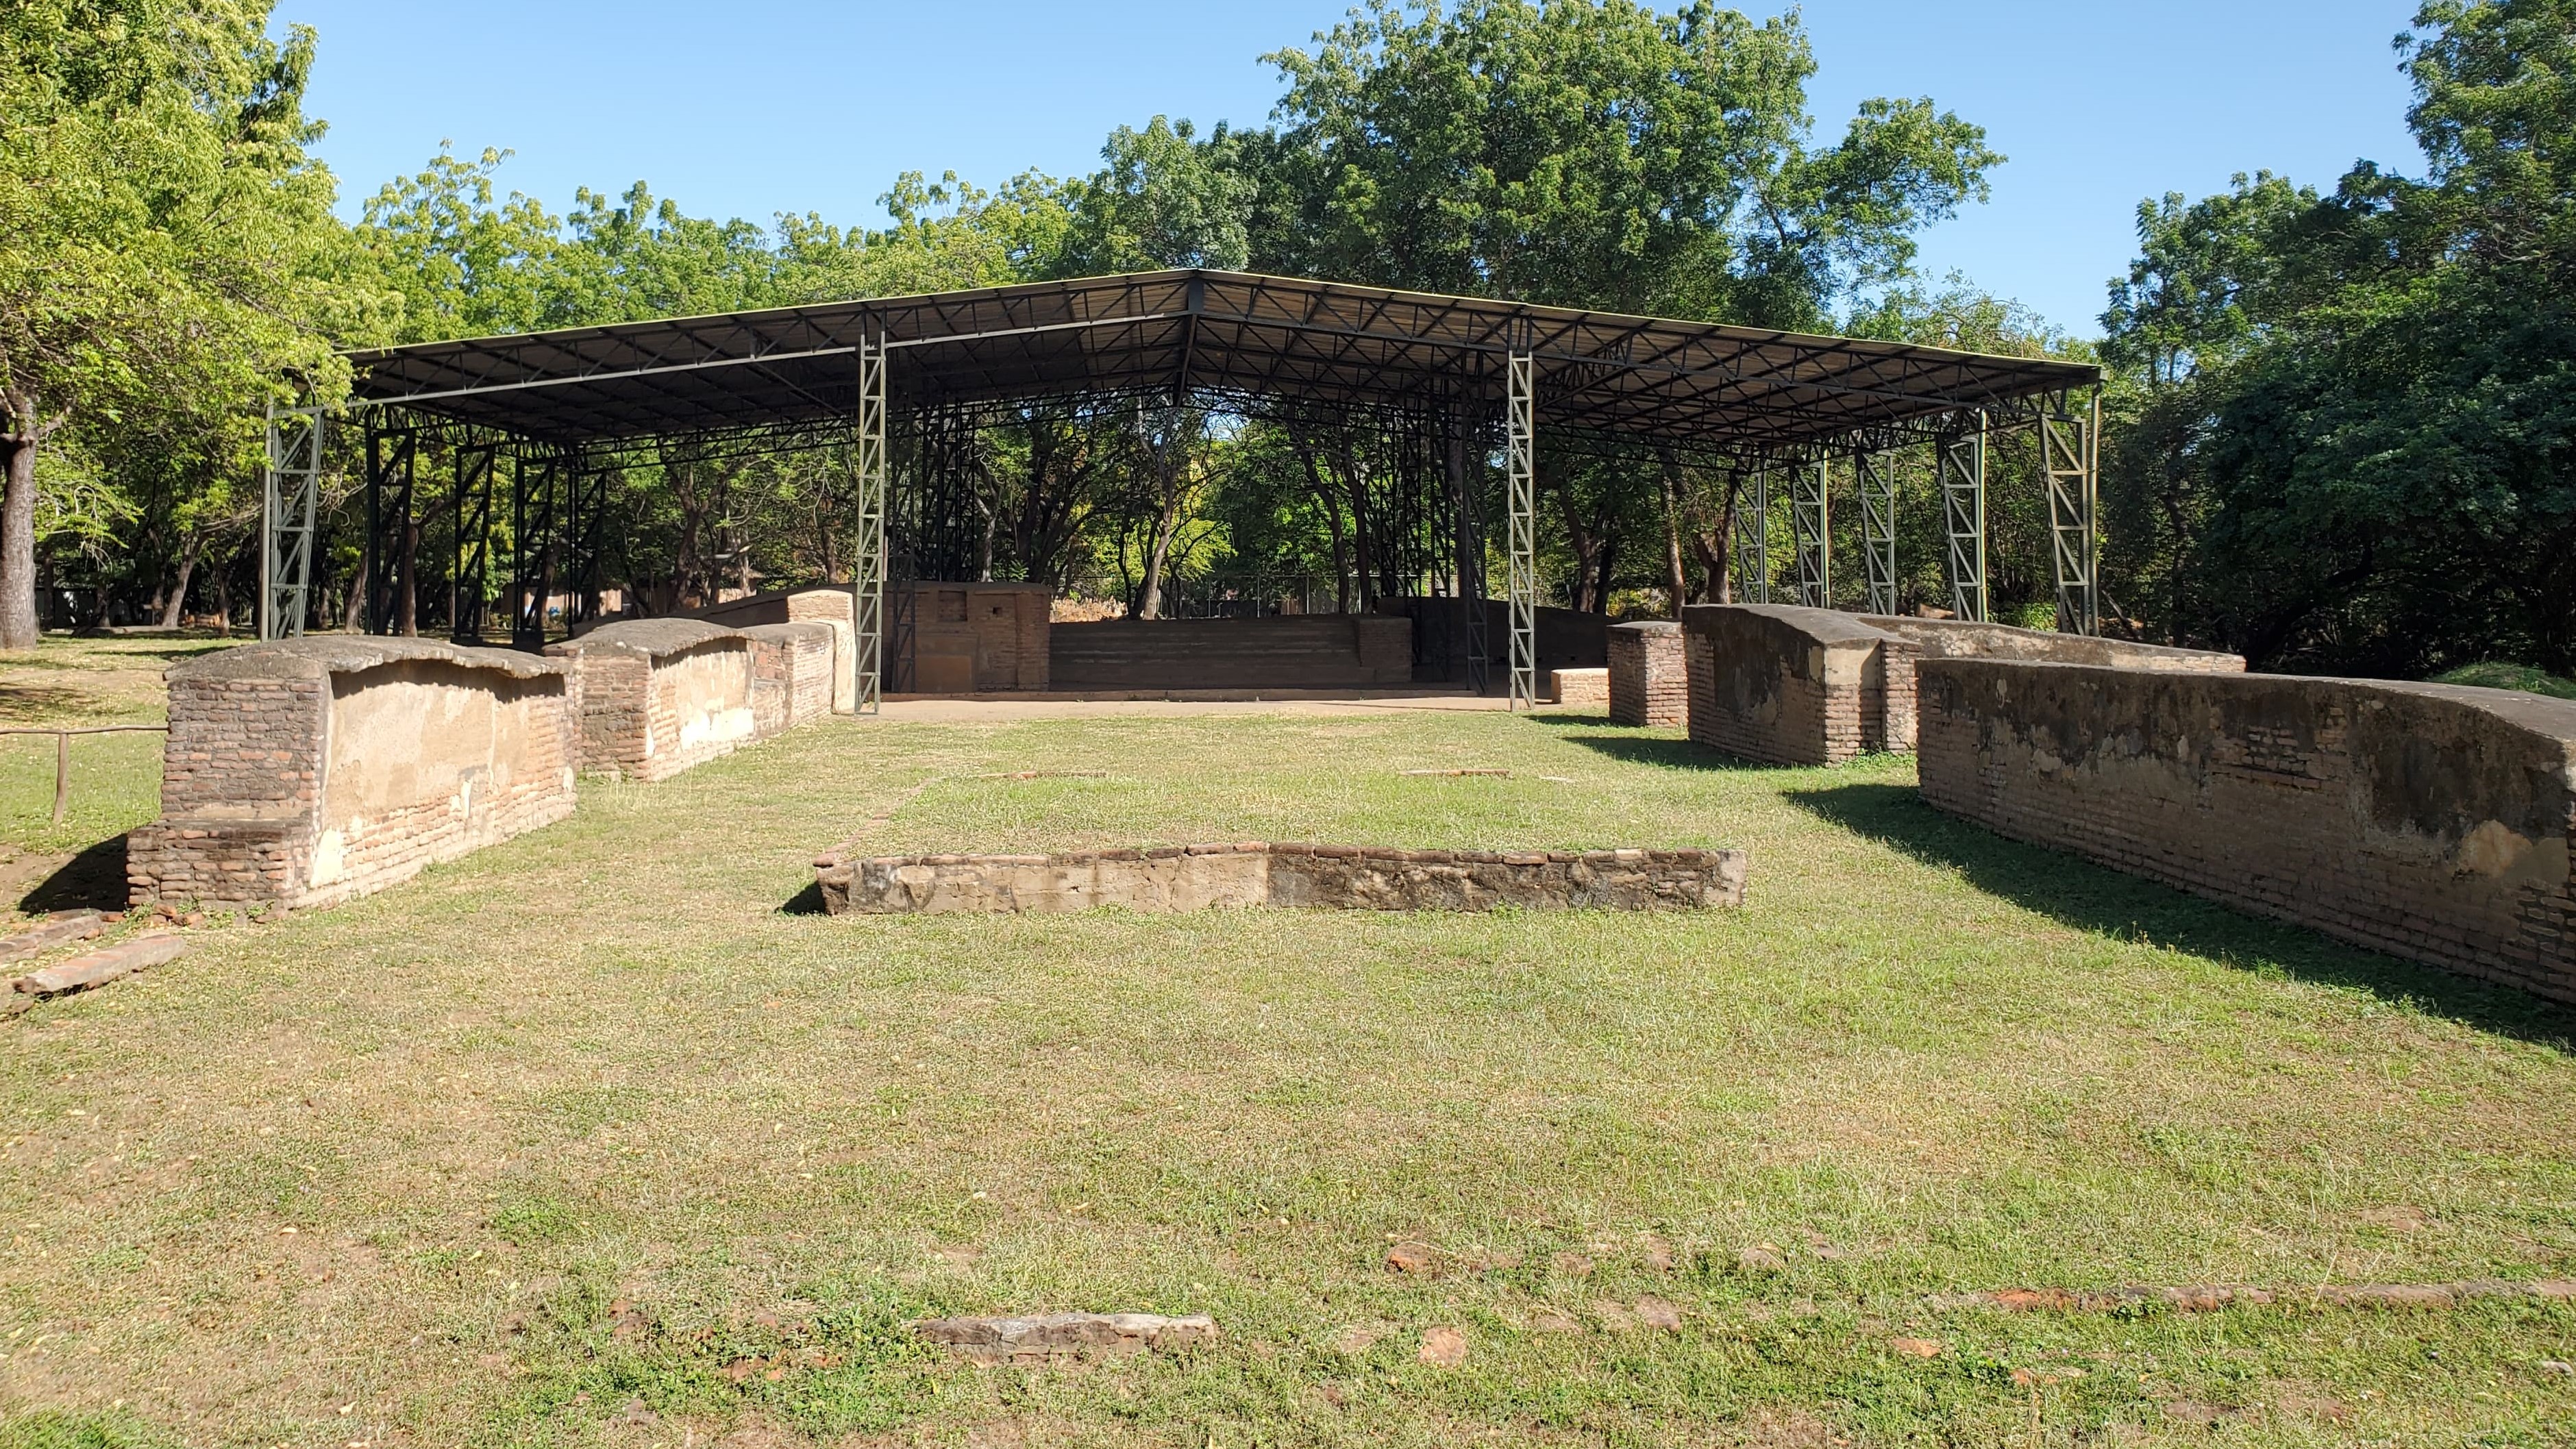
393, 457
532, 543
1753, 541
1963, 512
2066, 446
469, 585
1811, 528
1877, 478
868, 559
290, 503
1520, 428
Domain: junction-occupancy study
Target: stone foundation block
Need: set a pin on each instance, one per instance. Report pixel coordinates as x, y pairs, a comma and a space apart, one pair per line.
1320, 877
1579, 688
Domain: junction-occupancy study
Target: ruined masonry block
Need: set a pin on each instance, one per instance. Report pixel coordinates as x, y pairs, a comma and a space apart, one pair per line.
1796, 686
1323, 877
661, 695
307, 771
792, 675
1649, 675
1579, 688
2428, 821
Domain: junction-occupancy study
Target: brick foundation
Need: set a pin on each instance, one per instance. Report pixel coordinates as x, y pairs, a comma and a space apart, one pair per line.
1325, 877
310, 770
1649, 675
2431, 822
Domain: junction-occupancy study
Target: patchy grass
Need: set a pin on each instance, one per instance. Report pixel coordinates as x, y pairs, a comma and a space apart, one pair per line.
601, 1137
2493, 675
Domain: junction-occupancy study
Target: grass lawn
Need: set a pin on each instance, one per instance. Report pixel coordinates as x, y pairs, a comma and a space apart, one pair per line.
602, 1137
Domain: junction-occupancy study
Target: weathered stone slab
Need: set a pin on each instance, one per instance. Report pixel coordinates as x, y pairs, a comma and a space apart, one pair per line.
1579, 688
44, 935
1314, 877
994, 1341
97, 968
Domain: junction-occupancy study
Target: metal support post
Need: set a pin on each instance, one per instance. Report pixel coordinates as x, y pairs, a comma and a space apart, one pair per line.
1811, 530
470, 581
290, 503
868, 558
1963, 513
1877, 479
532, 542
392, 466
1467, 523
1753, 542
585, 531
2066, 446
1520, 428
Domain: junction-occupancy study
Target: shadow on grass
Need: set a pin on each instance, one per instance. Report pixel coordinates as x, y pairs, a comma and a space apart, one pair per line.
807, 902
2095, 898
23, 704
92, 880
1663, 753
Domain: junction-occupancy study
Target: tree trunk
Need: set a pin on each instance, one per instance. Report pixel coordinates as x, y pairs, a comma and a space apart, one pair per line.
1679, 584
1150, 598
174, 610
223, 585
18, 626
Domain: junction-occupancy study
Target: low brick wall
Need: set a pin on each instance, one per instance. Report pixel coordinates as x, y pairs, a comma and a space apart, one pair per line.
2427, 821
661, 695
1579, 688
1324, 877
310, 770
1649, 675
1797, 686
1792, 686
791, 675
824, 604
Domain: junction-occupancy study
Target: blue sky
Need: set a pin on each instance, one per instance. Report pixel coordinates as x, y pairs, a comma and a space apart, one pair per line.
752, 107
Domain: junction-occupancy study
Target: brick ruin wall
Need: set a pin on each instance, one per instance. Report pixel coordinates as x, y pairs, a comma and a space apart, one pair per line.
2430, 822
791, 675
1315, 877
1789, 685
1649, 675
309, 771
661, 695
827, 605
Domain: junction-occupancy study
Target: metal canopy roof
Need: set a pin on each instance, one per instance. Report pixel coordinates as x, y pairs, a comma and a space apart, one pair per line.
1739, 390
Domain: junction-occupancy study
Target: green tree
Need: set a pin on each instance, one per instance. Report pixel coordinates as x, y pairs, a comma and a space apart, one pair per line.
166, 245
2345, 420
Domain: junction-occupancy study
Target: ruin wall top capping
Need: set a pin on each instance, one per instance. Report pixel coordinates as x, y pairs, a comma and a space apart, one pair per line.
2548, 723
1651, 626
652, 638
320, 656
1950, 638
1825, 626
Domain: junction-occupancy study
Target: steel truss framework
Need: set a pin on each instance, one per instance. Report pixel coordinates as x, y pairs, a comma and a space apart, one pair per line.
563, 405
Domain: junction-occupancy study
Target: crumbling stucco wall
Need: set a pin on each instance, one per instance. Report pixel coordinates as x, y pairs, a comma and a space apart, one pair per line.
2427, 821
310, 770
1649, 674
661, 695
1320, 877
1964, 639
828, 605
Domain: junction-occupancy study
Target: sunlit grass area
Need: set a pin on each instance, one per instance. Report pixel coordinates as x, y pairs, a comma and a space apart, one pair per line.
2510, 676
603, 1137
